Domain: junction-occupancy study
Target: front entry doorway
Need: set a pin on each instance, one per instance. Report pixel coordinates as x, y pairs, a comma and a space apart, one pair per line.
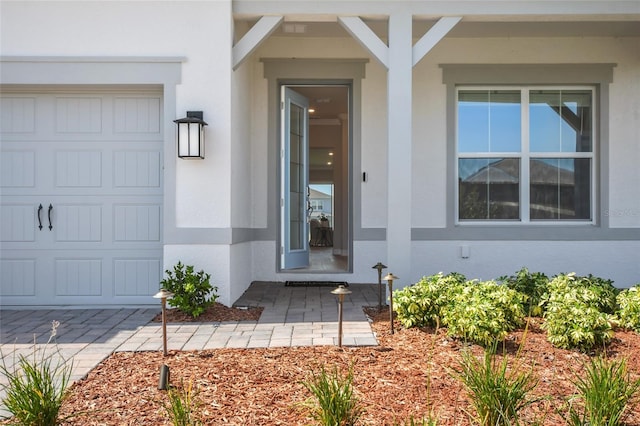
315, 214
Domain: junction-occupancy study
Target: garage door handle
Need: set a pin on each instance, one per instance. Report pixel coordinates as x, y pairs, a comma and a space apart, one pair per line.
39, 218
49, 215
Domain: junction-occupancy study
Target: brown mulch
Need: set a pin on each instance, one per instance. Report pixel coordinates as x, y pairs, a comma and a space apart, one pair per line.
409, 374
215, 313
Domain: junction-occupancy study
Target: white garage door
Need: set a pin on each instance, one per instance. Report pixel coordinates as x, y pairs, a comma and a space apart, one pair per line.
81, 200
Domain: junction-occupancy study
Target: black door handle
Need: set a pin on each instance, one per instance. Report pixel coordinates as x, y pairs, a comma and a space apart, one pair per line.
49, 215
39, 218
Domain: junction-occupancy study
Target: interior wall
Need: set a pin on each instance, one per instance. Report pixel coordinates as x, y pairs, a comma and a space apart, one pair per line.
330, 136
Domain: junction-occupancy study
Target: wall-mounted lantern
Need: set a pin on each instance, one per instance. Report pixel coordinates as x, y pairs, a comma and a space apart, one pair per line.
191, 135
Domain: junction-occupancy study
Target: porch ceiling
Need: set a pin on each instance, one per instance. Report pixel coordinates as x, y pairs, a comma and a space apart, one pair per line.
473, 28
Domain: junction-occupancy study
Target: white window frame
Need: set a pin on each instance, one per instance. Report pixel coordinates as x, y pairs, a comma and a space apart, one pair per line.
525, 155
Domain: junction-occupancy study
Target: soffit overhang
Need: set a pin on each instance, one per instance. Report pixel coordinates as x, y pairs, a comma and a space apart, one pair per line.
480, 18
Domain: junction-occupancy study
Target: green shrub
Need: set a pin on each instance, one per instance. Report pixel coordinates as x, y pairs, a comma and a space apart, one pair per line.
36, 386
604, 293
483, 312
606, 390
192, 292
335, 404
497, 395
629, 313
532, 284
575, 316
420, 304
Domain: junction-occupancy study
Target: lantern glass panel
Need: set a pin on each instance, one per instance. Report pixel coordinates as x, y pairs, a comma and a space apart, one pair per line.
183, 138
194, 140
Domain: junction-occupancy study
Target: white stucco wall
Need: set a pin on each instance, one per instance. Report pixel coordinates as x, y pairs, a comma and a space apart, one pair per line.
193, 31
366, 254
374, 117
230, 188
617, 260
429, 115
373, 211
214, 260
259, 146
241, 276
624, 155
241, 145
429, 165
143, 29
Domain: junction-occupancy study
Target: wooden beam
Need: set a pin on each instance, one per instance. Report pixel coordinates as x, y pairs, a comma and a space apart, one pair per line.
433, 36
366, 37
254, 37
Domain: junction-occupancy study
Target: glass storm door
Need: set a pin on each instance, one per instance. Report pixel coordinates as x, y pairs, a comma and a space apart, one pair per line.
294, 204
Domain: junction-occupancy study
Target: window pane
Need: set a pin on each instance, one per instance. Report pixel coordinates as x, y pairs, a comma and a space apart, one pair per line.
560, 188
489, 188
560, 121
297, 197
488, 121
296, 117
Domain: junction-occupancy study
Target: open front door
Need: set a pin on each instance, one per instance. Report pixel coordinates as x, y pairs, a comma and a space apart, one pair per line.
294, 180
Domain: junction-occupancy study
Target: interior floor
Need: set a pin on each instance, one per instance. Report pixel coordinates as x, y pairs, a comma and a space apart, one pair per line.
322, 259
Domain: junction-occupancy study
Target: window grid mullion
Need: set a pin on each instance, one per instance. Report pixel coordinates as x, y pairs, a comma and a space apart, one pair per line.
526, 155
525, 194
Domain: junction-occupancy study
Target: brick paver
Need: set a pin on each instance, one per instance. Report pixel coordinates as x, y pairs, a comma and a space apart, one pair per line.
292, 316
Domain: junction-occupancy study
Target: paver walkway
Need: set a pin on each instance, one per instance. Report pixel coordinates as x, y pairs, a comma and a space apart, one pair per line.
292, 316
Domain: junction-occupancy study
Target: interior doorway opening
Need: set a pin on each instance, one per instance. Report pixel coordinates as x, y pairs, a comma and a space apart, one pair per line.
328, 167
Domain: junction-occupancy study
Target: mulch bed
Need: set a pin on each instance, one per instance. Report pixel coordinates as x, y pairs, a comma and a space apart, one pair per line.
215, 313
408, 374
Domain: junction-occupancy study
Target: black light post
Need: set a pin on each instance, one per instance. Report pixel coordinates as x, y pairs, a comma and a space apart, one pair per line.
341, 291
389, 279
379, 266
163, 295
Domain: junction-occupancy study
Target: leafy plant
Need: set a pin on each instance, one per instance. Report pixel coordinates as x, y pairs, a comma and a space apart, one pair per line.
532, 284
420, 305
192, 292
36, 386
606, 390
483, 312
575, 316
335, 403
497, 394
629, 312
604, 293
182, 404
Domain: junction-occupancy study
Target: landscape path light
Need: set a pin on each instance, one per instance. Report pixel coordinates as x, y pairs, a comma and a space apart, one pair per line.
389, 279
379, 266
163, 295
341, 291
